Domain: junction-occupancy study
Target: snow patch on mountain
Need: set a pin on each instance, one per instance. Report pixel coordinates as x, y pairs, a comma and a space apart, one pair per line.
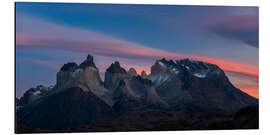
159, 78
37, 92
200, 75
186, 67
175, 70
162, 64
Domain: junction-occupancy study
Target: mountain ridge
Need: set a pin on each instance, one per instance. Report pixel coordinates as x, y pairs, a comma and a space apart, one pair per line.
172, 85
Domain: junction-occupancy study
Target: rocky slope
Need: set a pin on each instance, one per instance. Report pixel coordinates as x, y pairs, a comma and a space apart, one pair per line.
32, 95
185, 82
85, 76
113, 75
64, 109
136, 93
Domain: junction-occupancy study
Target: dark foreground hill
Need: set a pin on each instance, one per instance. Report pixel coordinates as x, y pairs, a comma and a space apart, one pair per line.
158, 120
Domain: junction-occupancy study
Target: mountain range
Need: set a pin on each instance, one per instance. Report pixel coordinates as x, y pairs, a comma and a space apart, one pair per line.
177, 95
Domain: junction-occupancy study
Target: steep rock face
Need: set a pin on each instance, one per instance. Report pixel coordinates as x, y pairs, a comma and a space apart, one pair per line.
69, 108
85, 76
89, 79
65, 74
113, 75
70, 66
132, 72
146, 90
165, 78
136, 93
89, 62
72, 73
185, 82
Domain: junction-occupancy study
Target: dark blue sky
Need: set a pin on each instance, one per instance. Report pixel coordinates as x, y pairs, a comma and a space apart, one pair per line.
50, 34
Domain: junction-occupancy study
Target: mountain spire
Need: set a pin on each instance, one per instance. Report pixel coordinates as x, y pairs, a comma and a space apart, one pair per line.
132, 72
89, 62
116, 68
143, 74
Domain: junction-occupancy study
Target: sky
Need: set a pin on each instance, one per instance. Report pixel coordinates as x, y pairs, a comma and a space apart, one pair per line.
49, 35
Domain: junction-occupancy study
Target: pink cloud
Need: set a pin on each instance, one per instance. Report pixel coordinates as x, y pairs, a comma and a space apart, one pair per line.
50, 64
134, 55
128, 50
243, 28
248, 22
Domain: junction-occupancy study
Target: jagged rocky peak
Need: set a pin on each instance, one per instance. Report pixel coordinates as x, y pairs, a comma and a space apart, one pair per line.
33, 94
185, 81
159, 66
116, 68
85, 76
132, 72
197, 68
70, 66
196, 65
164, 66
143, 74
89, 57
41, 87
89, 62
65, 73
71, 70
114, 74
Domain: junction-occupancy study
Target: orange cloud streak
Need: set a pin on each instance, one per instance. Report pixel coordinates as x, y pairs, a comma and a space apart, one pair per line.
113, 47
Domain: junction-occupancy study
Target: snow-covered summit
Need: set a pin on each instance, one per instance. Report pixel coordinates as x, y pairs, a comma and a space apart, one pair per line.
164, 70
197, 68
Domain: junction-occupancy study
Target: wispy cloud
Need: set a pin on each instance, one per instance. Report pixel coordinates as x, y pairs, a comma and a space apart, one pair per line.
35, 34
253, 78
127, 50
50, 64
242, 27
238, 30
230, 23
